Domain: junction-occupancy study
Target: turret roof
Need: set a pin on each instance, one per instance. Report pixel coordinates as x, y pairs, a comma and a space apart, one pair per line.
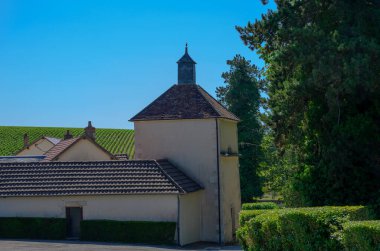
186, 58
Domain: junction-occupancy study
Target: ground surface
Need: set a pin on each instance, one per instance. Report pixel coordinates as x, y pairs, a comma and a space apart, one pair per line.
27, 245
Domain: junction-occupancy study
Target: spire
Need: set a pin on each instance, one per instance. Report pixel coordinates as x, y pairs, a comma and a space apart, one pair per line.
186, 69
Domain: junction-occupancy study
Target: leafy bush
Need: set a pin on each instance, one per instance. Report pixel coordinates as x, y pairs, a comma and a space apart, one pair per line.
259, 206
361, 235
299, 228
246, 215
33, 228
128, 231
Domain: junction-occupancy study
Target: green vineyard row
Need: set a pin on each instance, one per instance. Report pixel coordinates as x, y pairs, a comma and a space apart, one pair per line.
114, 140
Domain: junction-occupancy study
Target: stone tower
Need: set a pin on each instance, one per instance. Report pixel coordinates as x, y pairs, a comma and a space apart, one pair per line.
198, 135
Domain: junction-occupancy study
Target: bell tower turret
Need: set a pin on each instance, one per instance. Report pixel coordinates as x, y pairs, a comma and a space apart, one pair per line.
186, 69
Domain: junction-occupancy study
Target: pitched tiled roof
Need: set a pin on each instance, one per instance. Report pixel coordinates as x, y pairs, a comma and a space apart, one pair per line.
63, 145
184, 102
93, 178
180, 179
59, 148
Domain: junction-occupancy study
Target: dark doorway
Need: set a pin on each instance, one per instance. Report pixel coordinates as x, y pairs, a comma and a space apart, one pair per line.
74, 216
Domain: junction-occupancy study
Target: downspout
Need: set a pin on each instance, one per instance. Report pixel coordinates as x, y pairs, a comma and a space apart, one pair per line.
178, 220
218, 172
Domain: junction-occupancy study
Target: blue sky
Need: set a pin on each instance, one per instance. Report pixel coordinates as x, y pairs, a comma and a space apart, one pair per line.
65, 62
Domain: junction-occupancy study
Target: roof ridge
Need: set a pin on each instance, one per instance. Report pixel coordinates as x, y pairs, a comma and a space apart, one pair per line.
200, 88
168, 176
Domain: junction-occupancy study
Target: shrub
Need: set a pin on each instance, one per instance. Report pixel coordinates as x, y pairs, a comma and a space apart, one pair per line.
259, 206
246, 215
128, 231
33, 228
361, 235
299, 228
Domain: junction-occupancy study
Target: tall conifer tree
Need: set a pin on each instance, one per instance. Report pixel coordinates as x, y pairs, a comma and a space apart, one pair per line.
323, 68
241, 96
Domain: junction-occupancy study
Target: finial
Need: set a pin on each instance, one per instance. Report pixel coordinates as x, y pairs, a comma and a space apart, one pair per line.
186, 48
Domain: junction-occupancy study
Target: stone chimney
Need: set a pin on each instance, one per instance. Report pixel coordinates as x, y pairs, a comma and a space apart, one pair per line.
68, 135
89, 131
26, 140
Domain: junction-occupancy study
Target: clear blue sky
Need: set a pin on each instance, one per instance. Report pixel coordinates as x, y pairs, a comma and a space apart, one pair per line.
64, 62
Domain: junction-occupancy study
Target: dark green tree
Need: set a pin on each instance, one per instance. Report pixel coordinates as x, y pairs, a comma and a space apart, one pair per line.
242, 97
323, 71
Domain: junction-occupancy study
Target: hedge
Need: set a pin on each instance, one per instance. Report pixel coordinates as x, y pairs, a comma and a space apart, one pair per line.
361, 235
33, 228
128, 231
259, 206
299, 228
246, 215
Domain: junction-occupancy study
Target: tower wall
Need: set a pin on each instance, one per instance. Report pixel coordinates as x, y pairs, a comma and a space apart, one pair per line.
191, 145
229, 179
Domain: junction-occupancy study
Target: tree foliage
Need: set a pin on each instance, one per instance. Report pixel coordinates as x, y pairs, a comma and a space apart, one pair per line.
241, 96
323, 71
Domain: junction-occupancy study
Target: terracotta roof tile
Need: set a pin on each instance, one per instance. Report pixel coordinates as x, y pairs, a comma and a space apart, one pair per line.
59, 148
188, 101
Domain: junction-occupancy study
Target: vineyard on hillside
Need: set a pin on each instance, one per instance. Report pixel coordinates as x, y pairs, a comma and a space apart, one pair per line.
114, 140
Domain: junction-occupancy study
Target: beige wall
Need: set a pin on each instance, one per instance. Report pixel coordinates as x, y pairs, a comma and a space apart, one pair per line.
230, 196
228, 135
190, 217
84, 150
115, 207
191, 146
229, 180
38, 148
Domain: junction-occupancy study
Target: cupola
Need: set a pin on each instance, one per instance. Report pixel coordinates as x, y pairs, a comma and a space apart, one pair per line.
186, 69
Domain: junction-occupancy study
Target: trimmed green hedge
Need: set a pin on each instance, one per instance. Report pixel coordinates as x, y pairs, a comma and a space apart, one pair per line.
33, 228
246, 215
128, 231
259, 206
300, 229
361, 235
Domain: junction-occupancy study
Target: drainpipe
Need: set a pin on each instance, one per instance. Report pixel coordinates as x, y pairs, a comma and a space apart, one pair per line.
218, 172
178, 221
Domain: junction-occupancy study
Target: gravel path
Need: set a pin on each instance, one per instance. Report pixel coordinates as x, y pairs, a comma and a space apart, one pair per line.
28, 245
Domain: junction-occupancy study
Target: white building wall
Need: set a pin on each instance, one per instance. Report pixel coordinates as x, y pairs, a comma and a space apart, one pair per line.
113, 207
191, 146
